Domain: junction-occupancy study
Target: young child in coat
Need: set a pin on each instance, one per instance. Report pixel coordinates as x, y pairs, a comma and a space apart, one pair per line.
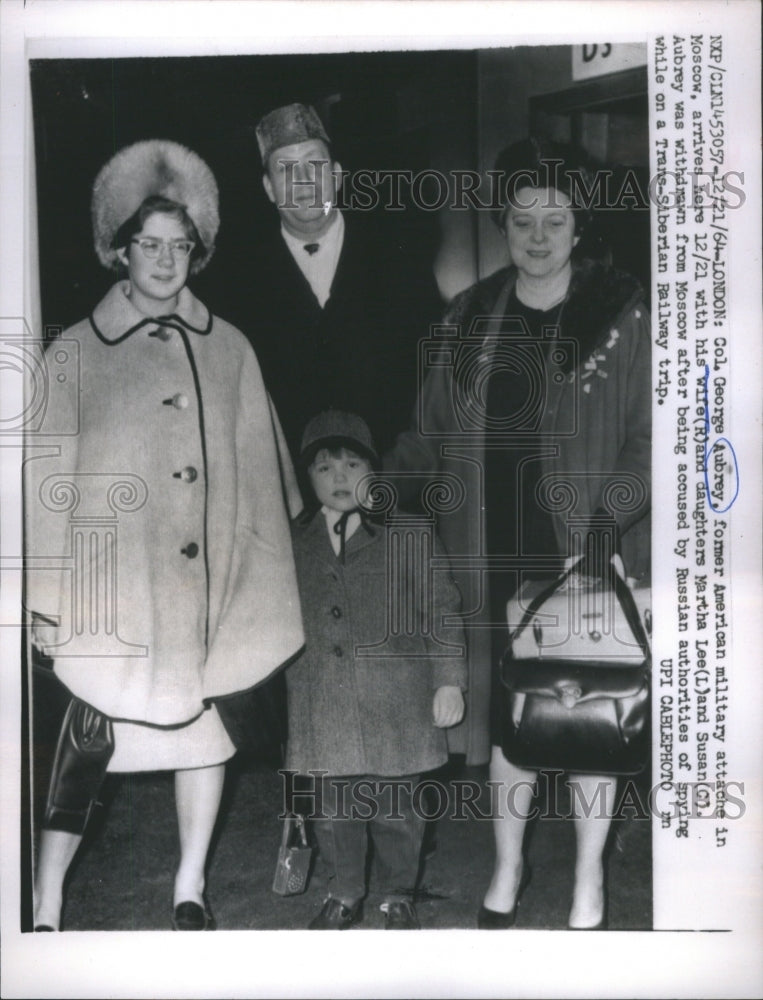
380, 679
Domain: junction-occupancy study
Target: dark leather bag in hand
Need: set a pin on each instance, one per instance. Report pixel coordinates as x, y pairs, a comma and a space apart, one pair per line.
85, 746
577, 677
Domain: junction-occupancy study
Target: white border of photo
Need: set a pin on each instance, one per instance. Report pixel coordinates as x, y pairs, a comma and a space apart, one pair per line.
722, 962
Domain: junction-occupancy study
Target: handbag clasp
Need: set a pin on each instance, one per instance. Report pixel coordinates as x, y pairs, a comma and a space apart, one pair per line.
570, 694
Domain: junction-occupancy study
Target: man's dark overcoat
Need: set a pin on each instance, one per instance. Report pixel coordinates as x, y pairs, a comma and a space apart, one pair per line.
359, 352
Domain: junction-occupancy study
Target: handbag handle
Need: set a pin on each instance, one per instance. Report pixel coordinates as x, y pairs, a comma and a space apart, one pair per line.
291, 822
622, 593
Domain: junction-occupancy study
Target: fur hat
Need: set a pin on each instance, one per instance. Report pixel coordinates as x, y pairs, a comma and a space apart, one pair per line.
288, 125
336, 429
153, 167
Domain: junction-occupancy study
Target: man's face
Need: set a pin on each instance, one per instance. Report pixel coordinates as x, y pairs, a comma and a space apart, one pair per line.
302, 181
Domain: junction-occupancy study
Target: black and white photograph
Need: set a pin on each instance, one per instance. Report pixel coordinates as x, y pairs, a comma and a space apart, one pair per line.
381, 499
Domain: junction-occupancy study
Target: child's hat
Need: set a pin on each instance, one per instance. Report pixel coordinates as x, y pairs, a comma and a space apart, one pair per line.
154, 167
337, 429
288, 125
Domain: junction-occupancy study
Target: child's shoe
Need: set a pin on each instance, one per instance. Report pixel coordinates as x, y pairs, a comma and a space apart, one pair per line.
337, 916
400, 915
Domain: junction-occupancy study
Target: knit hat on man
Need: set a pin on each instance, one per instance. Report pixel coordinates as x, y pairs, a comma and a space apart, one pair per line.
337, 429
154, 167
288, 125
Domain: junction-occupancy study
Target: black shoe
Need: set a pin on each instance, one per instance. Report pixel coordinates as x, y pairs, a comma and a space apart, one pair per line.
335, 916
493, 920
43, 927
191, 916
400, 915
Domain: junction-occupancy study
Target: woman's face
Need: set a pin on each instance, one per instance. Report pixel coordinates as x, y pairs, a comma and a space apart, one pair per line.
155, 283
540, 232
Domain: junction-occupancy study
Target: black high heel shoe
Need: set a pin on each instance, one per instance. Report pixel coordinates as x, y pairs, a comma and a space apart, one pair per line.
190, 916
494, 920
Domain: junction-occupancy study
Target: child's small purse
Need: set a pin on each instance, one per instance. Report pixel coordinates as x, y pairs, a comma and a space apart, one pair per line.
293, 867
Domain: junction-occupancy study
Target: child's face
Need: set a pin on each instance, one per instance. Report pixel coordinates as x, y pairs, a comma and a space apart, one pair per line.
335, 477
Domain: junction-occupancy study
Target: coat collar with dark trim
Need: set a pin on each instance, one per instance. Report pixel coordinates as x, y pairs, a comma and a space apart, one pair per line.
115, 317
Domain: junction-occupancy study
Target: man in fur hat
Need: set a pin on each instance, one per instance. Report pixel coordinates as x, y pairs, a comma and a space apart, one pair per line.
302, 180
333, 308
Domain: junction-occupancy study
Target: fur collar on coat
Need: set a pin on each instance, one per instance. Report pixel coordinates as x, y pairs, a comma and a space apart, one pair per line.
597, 296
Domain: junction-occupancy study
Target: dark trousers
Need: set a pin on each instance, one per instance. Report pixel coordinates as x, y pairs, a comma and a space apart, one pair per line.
347, 811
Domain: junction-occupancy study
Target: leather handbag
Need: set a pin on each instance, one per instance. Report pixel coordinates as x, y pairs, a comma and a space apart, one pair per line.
84, 749
294, 859
577, 674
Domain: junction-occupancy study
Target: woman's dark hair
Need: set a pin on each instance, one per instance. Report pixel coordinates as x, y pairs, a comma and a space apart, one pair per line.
152, 205
543, 164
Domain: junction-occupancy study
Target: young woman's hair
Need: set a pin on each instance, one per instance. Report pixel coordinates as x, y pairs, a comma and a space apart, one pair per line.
163, 206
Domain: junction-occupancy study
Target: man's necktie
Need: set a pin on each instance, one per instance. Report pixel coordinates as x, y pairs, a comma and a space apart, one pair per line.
311, 247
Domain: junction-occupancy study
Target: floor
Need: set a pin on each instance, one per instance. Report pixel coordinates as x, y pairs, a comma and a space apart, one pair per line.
122, 877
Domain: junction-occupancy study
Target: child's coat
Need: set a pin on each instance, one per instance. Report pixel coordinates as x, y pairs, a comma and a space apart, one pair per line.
351, 713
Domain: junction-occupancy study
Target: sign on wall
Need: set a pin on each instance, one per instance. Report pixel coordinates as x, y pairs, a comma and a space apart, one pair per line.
598, 58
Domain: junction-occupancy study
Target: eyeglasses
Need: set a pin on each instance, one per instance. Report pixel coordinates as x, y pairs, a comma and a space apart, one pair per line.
152, 248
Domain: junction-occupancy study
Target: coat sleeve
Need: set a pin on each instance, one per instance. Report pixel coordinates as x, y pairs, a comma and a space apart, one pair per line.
447, 670
416, 454
291, 491
261, 626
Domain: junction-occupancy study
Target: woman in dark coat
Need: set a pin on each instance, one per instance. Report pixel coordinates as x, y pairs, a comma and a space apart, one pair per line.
541, 431
192, 597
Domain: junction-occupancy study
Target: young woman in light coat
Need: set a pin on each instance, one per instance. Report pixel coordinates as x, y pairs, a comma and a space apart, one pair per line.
192, 596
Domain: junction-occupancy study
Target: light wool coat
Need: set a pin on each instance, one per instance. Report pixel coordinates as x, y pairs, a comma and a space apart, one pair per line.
157, 528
